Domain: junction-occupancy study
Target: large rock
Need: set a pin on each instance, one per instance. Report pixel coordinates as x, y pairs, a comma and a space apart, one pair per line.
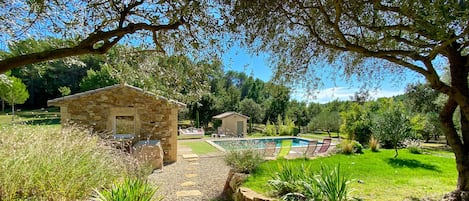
149, 151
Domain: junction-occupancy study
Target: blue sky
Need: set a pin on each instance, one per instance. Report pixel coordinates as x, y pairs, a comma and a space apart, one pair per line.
239, 59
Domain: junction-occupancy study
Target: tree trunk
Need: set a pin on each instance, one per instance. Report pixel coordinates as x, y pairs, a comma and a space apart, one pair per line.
12, 112
3, 106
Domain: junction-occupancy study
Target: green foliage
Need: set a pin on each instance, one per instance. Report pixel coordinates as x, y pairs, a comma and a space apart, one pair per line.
277, 104
270, 129
43, 80
391, 126
333, 183
43, 163
297, 111
98, 79
250, 108
356, 123
414, 149
243, 161
287, 127
16, 93
420, 98
426, 126
303, 182
13, 92
64, 90
128, 190
329, 121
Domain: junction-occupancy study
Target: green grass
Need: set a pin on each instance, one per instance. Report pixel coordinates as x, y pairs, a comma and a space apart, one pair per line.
200, 147
379, 176
49, 117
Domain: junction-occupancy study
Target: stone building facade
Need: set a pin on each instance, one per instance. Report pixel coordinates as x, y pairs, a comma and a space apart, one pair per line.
233, 122
124, 109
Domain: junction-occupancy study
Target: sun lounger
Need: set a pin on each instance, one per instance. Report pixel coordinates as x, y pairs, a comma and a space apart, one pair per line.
303, 151
191, 133
326, 143
310, 150
270, 149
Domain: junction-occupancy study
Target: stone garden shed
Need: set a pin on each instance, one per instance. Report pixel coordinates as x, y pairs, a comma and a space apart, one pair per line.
126, 111
232, 123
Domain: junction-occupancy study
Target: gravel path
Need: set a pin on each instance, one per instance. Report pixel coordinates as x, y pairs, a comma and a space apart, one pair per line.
206, 173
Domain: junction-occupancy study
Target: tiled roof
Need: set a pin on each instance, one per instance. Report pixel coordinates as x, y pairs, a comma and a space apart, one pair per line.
87, 93
227, 114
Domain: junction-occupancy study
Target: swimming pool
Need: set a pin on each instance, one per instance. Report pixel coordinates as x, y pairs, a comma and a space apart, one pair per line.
256, 143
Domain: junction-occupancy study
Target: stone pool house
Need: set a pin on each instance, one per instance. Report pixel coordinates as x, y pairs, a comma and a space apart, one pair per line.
232, 123
124, 110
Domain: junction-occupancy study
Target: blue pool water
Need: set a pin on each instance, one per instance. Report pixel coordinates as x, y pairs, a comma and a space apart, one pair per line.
257, 143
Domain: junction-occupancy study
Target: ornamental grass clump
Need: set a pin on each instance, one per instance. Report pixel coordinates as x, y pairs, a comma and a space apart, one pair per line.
130, 189
350, 147
302, 182
374, 144
244, 160
44, 163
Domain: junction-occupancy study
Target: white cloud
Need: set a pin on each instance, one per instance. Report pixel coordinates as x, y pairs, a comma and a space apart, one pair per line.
340, 93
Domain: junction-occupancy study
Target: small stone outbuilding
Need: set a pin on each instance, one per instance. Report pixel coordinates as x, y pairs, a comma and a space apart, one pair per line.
124, 109
233, 122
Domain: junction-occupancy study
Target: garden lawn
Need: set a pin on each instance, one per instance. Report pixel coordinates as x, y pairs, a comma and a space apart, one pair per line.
47, 118
200, 147
379, 176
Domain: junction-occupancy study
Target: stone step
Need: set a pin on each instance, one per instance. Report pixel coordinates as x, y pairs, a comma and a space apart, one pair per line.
188, 156
192, 159
191, 175
188, 183
191, 193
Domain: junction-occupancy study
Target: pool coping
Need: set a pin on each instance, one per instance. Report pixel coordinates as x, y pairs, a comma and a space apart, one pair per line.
256, 138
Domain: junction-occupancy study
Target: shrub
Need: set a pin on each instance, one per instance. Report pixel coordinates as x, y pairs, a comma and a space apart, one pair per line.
333, 183
413, 146
43, 163
130, 189
243, 161
374, 144
289, 180
350, 146
287, 128
414, 149
292, 182
270, 129
346, 147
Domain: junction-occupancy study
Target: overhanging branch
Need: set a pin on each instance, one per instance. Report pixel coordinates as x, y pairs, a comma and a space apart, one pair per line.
86, 46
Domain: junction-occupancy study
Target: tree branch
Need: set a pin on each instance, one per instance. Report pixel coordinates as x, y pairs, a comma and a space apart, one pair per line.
87, 46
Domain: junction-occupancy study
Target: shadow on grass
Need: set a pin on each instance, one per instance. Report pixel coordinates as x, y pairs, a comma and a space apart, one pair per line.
54, 121
410, 163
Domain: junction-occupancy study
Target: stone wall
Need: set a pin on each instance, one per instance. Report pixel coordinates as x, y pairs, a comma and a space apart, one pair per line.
231, 123
155, 118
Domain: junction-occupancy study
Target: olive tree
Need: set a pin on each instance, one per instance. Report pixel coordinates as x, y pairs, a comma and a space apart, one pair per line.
94, 26
392, 126
368, 39
14, 92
